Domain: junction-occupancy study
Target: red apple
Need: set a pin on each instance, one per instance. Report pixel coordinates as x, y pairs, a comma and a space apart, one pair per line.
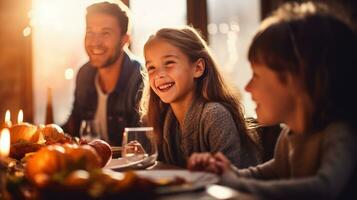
103, 149
84, 157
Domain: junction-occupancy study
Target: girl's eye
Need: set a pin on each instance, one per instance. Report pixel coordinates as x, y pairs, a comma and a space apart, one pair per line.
170, 62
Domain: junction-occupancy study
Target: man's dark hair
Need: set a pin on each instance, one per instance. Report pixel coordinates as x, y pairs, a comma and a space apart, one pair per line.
120, 11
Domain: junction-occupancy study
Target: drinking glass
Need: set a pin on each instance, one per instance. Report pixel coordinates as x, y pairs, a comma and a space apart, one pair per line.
139, 145
88, 131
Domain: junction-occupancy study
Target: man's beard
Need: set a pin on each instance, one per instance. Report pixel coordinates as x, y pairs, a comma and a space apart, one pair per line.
112, 59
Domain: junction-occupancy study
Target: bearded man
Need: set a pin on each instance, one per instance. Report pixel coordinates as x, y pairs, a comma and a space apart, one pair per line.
108, 86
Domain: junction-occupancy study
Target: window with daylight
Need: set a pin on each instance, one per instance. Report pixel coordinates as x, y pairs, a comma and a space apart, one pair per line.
58, 28
231, 26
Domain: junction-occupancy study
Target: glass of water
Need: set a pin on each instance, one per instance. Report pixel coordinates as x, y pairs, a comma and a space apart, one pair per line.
139, 145
88, 131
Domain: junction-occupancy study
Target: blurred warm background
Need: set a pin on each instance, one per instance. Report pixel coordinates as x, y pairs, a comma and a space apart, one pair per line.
41, 44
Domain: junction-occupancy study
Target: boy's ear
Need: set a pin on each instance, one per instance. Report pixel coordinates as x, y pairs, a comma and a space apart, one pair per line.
199, 67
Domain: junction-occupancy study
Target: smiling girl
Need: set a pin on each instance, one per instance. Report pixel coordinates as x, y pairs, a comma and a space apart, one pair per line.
188, 103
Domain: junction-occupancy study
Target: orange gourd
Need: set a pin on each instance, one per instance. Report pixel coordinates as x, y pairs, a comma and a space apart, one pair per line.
22, 131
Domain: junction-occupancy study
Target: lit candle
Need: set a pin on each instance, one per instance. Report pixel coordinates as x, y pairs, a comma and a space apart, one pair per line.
20, 117
8, 123
4, 146
4, 160
4, 143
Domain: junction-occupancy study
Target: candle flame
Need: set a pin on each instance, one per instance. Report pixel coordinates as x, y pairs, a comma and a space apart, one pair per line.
7, 116
4, 142
20, 117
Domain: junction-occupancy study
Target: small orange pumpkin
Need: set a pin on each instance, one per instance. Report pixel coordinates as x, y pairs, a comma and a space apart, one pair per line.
22, 131
45, 163
52, 131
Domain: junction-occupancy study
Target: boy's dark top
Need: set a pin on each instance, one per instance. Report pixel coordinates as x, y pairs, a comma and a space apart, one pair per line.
122, 104
319, 165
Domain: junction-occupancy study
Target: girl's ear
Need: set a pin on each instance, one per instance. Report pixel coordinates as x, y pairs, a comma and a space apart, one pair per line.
199, 68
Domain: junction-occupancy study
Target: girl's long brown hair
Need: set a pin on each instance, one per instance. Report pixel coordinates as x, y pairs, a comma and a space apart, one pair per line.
210, 86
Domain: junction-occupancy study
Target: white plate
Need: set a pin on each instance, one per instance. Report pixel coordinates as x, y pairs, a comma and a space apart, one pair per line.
194, 180
121, 163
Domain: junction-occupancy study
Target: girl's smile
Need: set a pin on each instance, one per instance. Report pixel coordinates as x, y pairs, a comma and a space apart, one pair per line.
171, 73
165, 86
